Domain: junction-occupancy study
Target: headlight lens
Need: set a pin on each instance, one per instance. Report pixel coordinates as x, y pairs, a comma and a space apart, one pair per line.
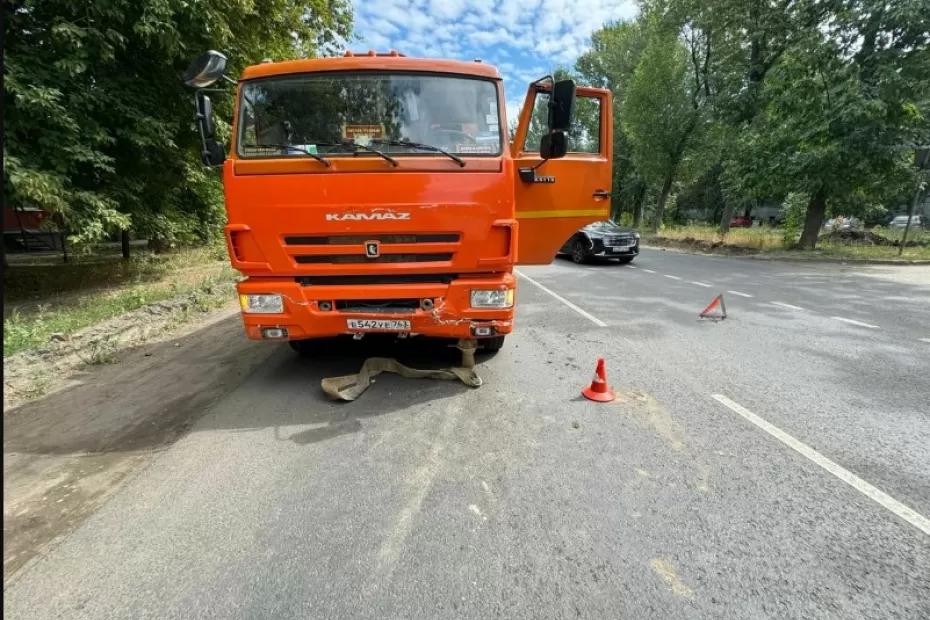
636, 235
496, 298
262, 304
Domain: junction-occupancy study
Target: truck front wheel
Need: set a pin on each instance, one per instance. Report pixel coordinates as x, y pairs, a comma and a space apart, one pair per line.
492, 345
303, 347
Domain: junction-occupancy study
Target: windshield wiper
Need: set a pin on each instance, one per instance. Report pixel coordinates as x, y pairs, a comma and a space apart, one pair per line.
291, 147
355, 146
423, 147
365, 147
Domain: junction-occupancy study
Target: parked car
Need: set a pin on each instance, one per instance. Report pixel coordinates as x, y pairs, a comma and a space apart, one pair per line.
842, 223
602, 240
741, 221
900, 221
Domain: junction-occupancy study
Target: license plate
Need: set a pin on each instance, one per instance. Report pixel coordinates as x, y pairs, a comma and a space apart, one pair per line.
619, 248
379, 325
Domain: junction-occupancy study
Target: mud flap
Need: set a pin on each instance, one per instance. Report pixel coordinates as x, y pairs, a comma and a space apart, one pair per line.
350, 387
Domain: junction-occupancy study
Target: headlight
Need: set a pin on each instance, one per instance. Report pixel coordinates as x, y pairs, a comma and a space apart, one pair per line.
497, 298
636, 235
262, 304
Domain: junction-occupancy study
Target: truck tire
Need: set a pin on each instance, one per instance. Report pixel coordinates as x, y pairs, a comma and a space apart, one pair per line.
492, 345
303, 348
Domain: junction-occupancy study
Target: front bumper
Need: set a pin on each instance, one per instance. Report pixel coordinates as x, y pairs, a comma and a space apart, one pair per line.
601, 251
450, 317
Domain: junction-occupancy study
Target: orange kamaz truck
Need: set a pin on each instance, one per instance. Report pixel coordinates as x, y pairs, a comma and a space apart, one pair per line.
380, 193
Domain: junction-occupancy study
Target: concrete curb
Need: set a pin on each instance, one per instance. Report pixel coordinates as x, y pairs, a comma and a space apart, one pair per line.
796, 259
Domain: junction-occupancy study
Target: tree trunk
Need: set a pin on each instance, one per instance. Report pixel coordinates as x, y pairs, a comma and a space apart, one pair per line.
660, 205
816, 209
725, 218
124, 243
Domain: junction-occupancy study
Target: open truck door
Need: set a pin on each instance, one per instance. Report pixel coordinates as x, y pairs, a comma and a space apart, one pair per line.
556, 197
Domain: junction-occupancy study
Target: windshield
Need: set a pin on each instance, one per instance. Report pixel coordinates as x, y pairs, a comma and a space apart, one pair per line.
328, 113
602, 226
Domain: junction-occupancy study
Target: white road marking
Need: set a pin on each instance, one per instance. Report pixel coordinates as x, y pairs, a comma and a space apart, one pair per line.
583, 313
740, 294
927, 340
910, 515
648, 270
632, 267
672, 277
855, 322
784, 305
704, 284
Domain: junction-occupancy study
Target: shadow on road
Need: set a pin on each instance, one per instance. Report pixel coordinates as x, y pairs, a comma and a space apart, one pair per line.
154, 393
68, 452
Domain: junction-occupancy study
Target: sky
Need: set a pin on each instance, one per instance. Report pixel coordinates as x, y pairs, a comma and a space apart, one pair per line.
524, 39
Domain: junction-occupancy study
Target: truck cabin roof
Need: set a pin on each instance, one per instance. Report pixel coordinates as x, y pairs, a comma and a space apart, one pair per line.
370, 62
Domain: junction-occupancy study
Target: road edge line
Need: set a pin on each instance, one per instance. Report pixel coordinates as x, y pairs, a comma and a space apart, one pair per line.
855, 322
580, 311
910, 515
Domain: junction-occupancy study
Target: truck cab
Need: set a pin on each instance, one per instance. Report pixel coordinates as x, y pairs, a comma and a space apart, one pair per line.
379, 193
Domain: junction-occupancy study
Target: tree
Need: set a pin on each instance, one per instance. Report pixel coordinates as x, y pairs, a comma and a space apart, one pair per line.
837, 109
610, 63
98, 125
734, 44
661, 113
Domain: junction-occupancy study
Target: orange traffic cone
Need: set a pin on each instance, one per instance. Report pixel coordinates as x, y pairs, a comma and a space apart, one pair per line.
599, 390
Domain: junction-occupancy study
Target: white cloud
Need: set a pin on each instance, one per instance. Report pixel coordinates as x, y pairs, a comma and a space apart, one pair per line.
524, 40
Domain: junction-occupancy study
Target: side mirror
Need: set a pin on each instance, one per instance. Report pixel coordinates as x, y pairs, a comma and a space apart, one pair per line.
553, 145
205, 116
205, 70
212, 152
561, 102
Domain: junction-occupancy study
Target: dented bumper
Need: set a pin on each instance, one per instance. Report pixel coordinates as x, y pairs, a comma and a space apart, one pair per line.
438, 309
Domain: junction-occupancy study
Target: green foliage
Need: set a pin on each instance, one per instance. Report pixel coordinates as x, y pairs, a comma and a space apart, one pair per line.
794, 208
657, 116
834, 122
62, 299
819, 98
661, 114
99, 127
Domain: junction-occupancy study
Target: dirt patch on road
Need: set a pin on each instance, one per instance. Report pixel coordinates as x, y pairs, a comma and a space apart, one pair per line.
66, 452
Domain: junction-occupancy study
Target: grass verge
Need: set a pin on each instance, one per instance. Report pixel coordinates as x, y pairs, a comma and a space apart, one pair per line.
47, 302
770, 241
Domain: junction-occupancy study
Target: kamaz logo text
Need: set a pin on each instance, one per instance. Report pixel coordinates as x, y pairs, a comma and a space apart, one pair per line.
365, 217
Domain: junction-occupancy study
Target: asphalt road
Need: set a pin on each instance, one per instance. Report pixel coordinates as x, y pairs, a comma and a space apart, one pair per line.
773, 464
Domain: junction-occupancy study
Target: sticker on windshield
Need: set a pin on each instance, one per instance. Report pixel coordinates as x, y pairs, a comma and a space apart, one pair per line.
474, 148
358, 133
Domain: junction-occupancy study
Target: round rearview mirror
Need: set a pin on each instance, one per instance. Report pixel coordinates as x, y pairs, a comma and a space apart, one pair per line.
205, 70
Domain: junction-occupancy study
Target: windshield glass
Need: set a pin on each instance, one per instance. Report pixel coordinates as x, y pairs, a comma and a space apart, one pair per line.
328, 113
601, 226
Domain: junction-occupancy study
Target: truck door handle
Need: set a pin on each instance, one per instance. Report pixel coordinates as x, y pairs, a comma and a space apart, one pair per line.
601, 193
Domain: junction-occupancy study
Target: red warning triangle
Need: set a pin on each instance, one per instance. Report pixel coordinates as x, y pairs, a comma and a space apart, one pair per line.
708, 312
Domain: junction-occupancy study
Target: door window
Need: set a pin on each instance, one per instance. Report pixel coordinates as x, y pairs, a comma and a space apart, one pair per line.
584, 133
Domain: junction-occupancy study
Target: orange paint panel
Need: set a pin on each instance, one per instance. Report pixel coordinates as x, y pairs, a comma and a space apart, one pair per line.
370, 63
576, 191
442, 230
